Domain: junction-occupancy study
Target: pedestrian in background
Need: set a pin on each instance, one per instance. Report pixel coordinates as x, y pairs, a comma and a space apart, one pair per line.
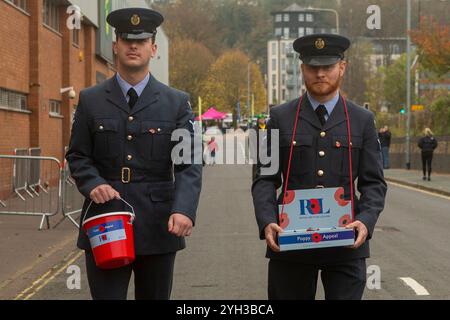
212, 147
385, 140
427, 144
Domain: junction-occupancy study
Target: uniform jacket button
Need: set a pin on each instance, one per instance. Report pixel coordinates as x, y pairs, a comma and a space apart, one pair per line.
101, 128
323, 134
130, 119
130, 137
322, 154
129, 157
320, 173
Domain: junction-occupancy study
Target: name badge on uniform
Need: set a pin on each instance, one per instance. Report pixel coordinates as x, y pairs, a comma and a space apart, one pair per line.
315, 218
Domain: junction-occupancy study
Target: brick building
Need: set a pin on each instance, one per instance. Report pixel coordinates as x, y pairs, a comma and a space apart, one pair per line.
39, 56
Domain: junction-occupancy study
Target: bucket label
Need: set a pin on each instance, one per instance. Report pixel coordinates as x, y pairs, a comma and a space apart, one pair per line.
106, 233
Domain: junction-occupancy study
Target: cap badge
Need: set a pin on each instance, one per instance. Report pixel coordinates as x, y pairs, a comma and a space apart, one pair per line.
135, 20
320, 44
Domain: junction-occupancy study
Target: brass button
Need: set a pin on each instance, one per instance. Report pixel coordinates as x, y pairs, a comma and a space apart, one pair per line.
323, 134
159, 129
130, 119
295, 143
129, 158
101, 128
129, 138
320, 173
322, 154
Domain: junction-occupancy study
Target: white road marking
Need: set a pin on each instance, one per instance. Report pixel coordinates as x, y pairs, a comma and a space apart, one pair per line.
419, 190
417, 287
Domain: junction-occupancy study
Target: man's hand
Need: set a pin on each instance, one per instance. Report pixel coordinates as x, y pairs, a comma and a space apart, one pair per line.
180, 225
103, 194
362, 232
271, 232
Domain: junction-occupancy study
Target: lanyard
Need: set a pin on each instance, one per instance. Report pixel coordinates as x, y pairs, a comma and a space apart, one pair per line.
349, 155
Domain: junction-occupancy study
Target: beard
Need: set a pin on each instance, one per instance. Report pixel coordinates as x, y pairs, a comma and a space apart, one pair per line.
324, 88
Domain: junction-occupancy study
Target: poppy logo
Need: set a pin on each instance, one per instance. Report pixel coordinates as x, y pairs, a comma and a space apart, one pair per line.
344, 220
316, 238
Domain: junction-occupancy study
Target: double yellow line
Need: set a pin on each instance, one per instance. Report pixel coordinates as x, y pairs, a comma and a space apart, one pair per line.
51, 274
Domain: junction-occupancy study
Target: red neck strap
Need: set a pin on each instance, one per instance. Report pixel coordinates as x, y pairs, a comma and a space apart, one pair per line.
349, 155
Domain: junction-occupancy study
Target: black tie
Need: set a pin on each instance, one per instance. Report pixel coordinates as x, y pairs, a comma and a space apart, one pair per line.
133, 97
321, 112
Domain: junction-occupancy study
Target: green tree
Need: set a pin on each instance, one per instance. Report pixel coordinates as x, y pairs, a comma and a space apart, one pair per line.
227, 83
189, 63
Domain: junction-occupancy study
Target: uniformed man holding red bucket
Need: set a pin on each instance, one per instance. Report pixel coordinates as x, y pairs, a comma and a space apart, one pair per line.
139, 204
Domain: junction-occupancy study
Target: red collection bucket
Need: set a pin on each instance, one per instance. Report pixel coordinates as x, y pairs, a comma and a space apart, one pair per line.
111, 237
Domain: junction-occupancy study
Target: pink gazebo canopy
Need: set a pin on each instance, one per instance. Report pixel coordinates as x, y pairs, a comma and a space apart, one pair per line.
212, 114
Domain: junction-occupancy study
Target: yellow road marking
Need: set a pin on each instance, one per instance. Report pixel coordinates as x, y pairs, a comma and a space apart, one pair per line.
47, 277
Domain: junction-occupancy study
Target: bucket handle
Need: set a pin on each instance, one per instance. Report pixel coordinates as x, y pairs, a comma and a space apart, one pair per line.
133, 215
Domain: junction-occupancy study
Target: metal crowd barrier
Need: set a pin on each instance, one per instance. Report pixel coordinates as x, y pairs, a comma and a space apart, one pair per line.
52, 189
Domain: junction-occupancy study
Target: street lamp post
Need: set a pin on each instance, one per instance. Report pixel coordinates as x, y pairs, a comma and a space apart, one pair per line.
408, 85
328, 10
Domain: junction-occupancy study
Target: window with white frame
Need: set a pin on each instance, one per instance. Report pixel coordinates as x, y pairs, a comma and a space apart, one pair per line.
309, 31
55, 108
76, 37
301, 32
286, 17
309, 17
51, 14
13, 100
274, 64
286, 32
301, 17
274, 48
278, 32
278, 18
21, 4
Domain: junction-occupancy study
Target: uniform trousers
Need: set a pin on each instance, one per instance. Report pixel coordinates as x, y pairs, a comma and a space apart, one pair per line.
293, 280
153, 276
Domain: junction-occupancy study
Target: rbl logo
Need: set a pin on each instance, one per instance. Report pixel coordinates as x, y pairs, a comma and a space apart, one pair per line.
312, 207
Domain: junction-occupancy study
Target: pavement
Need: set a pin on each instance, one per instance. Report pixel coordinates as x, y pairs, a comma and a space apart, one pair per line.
440, 183
225, 259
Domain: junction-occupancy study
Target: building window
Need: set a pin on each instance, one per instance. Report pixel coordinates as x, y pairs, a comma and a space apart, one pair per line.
21, 4
274, 48
283, 64
309, 31
286, 32
13, 100
76, 37
301, 17
309, 17
278, 32
301, 32
283, 80
51, 14
283, 49
274, 96
286, 17
55, 108
274, 64
395, 48
274, 80
283, 95
278, 18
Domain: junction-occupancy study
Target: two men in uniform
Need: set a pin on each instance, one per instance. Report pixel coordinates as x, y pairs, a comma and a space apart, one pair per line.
321, 159
121, 148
